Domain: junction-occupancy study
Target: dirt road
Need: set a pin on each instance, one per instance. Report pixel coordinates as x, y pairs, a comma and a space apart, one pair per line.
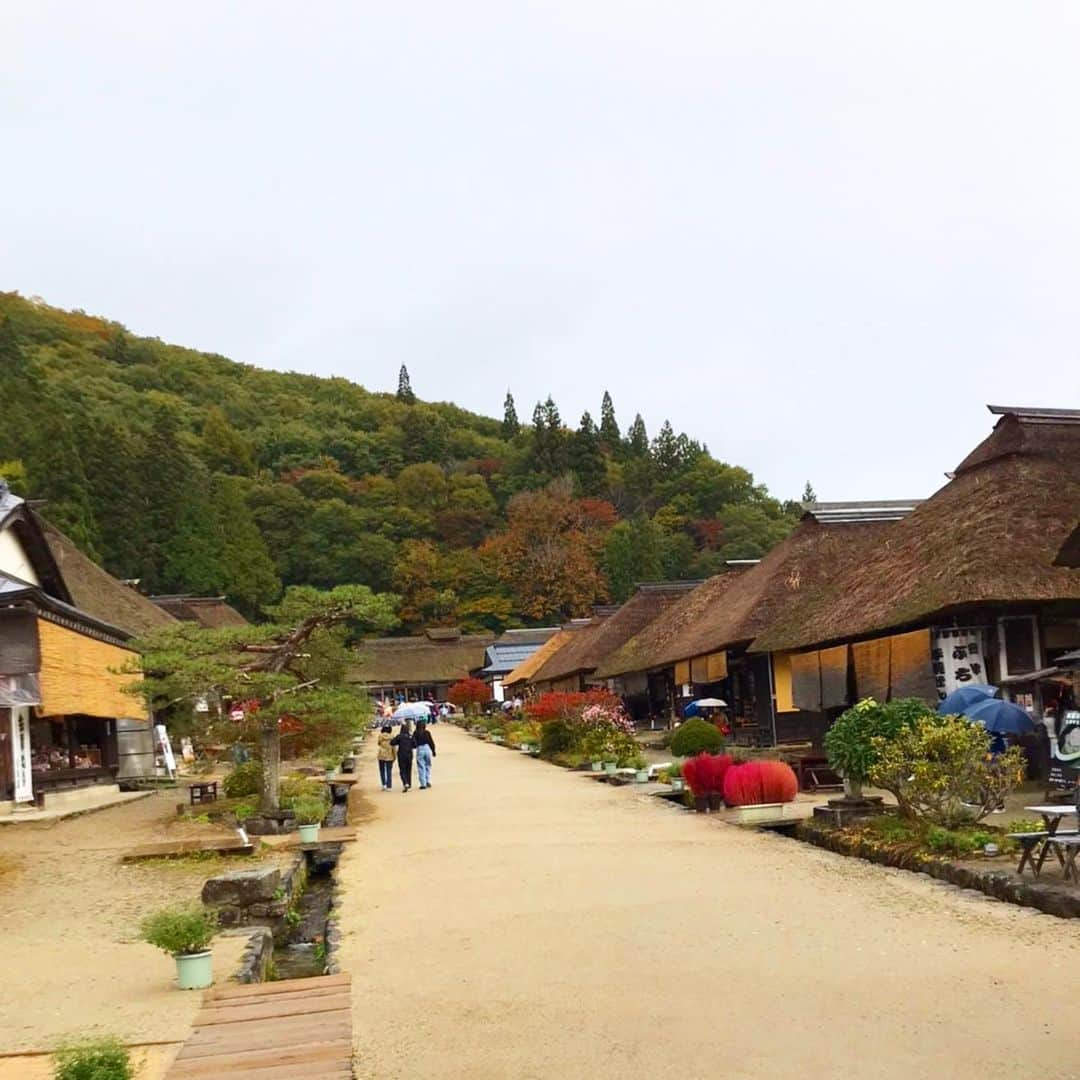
519, 921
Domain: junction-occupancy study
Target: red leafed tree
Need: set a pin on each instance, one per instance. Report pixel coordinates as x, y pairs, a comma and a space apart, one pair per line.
565, 706
469, 694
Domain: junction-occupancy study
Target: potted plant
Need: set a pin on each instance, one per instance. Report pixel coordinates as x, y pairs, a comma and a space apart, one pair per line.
597, 766
309, 814
705, 775
641, 773
610, 767
185, 933
675, 777
759, 789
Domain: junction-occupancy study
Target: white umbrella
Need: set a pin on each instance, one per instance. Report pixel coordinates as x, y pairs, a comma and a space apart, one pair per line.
414, 710
710, 703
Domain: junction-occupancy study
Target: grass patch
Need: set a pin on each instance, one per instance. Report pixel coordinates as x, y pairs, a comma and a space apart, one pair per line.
915, 837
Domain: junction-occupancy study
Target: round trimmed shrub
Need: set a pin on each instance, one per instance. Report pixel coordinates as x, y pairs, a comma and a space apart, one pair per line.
696, 736
243, 779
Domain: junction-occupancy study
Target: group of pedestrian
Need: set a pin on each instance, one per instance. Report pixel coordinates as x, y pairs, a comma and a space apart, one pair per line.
408, 743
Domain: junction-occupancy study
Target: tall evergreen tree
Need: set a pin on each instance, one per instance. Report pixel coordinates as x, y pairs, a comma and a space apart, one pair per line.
404, 387
637, 438
510, 425
610, 435
665, 450
809, 495
587, 458
175, 485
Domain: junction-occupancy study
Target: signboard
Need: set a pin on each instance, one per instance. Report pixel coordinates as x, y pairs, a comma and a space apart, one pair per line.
20, 753
236, 715
956, 657
1064, 749
166, 749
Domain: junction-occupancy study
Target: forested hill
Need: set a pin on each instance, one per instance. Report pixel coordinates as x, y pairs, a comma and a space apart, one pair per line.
197, 474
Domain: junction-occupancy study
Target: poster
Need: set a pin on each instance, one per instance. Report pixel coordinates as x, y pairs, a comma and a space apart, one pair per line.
1064, 748
956, 657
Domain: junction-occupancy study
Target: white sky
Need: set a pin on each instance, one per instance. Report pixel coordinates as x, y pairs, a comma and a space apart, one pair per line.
818, 236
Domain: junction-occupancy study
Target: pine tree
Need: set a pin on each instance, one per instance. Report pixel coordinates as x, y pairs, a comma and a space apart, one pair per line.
587, 458
404, 387
665, 450
809, 495
510, 425
637, 438
609, 426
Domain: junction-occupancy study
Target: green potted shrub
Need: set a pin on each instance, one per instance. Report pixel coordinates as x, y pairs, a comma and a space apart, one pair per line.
309, 814
675, 777
185, 934
95, 1059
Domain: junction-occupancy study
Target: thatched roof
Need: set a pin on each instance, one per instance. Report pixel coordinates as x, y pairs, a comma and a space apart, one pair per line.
588, 649
1069, 555
524, 672
989, 536
419, 660
731, 609
98, 593
210, 612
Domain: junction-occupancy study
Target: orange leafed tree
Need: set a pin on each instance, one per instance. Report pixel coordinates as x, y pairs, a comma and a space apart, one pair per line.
469, 694
549, 555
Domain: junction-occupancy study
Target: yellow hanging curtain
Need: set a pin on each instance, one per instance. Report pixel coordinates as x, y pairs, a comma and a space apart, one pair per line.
699, 670
682, 672
781, 663
76, 676
806, 680
716, 663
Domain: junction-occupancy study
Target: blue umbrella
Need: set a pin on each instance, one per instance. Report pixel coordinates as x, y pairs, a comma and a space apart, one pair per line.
691, 710
961, 698
1001, 717
414, 710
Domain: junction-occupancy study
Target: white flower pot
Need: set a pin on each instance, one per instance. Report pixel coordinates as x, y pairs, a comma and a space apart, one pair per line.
194, 971
309, 834
678, 784
597, 766
641, 776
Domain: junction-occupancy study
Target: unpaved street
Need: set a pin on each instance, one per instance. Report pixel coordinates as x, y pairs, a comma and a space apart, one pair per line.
520, 921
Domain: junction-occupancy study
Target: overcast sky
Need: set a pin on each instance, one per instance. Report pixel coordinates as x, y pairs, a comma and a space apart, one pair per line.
818, 236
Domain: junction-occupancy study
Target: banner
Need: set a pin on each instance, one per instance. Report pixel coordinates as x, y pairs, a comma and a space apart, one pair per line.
20, 754
956, 657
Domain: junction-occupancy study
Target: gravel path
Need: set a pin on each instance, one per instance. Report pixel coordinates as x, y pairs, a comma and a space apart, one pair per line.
519, 921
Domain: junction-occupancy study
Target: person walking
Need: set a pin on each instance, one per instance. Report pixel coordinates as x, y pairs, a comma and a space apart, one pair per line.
405, 745
386, 759
425, 751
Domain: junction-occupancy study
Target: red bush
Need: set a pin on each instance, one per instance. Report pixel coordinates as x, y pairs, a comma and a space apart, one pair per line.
759, 782
469, 692
563, 706
704, 774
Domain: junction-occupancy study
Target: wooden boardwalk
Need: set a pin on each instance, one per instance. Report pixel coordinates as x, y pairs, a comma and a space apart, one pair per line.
287, 1030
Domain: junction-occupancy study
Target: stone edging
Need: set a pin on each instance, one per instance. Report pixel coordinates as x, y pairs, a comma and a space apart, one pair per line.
1056, 900
258, 953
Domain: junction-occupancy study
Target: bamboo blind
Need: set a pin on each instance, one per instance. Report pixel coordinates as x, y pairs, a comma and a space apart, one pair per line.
699, 670
911, 675
834, 684
806, 680
872, 668
75, 675
716, 664
682, 672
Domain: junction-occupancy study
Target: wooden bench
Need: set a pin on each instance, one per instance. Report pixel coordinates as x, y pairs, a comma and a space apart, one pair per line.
1066, 846
1040, 843
203, 793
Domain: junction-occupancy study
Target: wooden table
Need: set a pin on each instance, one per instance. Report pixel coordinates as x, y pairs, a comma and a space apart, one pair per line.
814, 772
1052, 817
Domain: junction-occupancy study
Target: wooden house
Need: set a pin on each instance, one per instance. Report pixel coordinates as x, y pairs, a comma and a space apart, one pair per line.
699, 648
516, 682
966, 588
66, 722
419, 668
210, 612
508, 651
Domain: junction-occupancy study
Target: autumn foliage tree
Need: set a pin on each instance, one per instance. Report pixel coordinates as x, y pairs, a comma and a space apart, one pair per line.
469, 694
549, 555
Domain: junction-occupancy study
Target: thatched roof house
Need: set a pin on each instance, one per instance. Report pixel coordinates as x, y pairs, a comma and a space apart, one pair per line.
1069, 555
512, 648
575, 666
988, 537
98, 593
516, 681
419, 667
210, 612
728, 611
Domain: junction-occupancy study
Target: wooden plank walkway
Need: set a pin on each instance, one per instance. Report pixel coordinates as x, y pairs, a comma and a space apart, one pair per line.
295, 1029
334, 834
163, 849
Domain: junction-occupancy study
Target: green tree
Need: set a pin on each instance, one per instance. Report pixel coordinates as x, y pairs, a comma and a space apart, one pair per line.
610, 435
637, 438
633, 553
293, 667
404, 387
224, 448
586, 457
510, 425
809, 495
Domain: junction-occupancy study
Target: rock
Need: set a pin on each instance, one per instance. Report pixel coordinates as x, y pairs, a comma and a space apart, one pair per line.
242, 888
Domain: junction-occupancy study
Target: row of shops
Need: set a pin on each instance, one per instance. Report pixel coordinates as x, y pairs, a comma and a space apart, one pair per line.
67, 720
977, 583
